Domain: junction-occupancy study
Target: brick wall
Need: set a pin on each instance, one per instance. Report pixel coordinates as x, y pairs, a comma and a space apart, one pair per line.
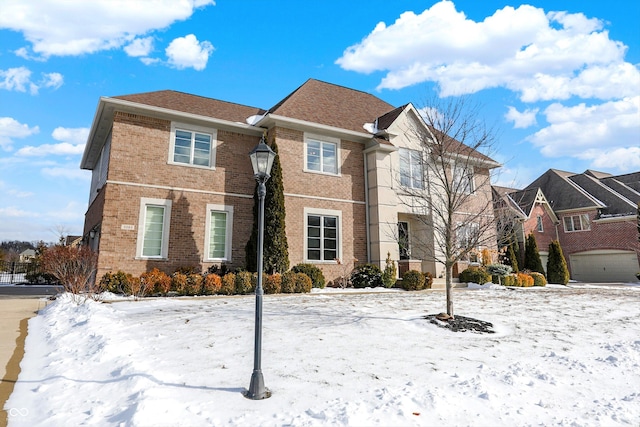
544, 238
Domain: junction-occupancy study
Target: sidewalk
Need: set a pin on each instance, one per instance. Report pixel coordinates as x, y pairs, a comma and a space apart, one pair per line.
14, 315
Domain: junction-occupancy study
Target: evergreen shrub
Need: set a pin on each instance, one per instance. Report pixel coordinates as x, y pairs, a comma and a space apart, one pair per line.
413, 280
156, 281
212, 284
244, 283
366, 276
272, 283
474, 275
228, 284
314, 273
538, 279
288, 282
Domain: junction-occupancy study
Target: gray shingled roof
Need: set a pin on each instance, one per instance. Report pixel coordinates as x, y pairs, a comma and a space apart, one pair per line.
611, 195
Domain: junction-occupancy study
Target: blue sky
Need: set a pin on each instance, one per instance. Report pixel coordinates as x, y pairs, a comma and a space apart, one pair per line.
559, 79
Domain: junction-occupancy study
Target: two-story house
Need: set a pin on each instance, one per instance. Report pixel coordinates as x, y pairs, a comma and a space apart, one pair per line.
172, 184
595, 221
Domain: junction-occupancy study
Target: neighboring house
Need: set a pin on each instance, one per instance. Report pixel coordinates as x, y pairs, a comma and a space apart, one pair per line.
27, 255
597, 226
172, 184
527, 211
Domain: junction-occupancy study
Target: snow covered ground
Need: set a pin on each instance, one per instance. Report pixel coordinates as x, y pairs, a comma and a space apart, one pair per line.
560, 356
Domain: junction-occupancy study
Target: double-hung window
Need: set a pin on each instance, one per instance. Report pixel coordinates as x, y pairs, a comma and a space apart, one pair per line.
463, 179
467, 236
411, 168
219, 226
539, 225
153, 228
577, 223
192, 145
322, 234
322, 154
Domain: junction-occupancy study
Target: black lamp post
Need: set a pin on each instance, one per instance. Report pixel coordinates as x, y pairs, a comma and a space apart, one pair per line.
261, 159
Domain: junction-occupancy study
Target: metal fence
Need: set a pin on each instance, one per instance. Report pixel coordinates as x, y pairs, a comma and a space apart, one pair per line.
12, 272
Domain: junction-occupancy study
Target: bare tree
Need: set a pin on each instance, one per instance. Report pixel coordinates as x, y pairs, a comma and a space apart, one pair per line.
454, 205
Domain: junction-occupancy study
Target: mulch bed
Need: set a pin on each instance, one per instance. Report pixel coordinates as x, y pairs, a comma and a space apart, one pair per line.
460, 323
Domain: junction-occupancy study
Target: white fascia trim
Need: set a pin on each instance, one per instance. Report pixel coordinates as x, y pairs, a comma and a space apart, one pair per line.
621, 218
305, 125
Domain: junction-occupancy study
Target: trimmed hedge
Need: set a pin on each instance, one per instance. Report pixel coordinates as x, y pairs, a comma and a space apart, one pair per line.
413, 280
474, 275
314, 273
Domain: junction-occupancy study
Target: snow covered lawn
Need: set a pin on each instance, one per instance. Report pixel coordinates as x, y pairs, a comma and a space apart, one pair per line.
560, 356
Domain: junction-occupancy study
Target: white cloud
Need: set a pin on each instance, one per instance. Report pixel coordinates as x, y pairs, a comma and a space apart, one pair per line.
73, 135
587, 132
523, 119
62, 149
53, 80
541, 56
139, 47
73, 142
15, 79
71, 172
187, 51
77, 27
13, 212
19, 79
10, 128
623, 159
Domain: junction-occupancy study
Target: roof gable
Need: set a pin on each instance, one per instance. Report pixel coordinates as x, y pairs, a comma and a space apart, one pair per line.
562, 193
331, 105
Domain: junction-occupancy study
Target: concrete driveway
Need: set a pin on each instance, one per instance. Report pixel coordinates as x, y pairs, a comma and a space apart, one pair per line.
15, 312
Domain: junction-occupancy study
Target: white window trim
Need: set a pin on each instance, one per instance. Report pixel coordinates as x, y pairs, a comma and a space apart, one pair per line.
324, 212
193, 128
539, 224
228, 235
422, 180
166, 221
564, 224
323, 139
466, 171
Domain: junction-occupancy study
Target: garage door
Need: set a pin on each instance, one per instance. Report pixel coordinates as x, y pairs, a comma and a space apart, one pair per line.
604, 266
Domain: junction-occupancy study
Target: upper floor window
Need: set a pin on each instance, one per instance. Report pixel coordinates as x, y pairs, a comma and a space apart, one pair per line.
463, 179
218, 233
153, 228
192, 145
321, 154
539, 225
467, 235
322, 235
577, 223
411, 168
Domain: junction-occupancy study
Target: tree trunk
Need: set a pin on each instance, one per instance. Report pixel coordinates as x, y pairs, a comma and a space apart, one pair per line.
448, 278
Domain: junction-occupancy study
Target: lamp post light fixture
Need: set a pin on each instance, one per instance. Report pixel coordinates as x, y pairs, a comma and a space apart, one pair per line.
262, 157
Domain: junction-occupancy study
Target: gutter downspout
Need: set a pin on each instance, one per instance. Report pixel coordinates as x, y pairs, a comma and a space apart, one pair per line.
366, 203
